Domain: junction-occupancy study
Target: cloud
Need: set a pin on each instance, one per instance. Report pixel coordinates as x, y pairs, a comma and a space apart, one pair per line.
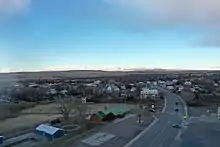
8, 7
201, 16
210, 41
174, 12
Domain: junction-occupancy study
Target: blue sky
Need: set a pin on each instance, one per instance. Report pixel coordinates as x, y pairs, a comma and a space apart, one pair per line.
104, 34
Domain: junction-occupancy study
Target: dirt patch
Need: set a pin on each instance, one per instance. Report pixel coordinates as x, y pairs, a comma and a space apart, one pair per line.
24, 121
12, 110
42, 109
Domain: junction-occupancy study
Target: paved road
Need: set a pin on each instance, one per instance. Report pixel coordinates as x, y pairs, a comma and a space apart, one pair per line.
161, 133
201, 134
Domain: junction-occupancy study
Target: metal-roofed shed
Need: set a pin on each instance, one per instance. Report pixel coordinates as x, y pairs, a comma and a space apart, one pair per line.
49, 131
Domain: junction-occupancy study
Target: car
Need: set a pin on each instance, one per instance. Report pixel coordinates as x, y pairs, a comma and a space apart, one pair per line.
176, 126
176, 109
151, 110
177, 103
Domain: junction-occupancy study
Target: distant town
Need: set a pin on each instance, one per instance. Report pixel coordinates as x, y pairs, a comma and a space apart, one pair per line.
73, 106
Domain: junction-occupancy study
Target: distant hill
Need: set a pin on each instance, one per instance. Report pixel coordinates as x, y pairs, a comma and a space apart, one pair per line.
84, 74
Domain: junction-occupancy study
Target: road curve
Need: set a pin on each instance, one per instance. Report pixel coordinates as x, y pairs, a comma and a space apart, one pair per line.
161, 133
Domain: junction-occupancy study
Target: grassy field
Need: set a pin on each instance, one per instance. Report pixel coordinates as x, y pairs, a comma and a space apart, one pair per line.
31, 116
43, 113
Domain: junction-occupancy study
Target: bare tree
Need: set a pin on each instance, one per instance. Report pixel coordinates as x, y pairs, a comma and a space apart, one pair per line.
66, 105
81, 108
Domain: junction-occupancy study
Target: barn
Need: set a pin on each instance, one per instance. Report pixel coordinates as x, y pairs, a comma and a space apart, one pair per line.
50, 132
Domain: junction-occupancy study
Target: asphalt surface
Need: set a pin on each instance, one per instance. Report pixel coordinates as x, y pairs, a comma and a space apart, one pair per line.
198, 130
161, 133
123, 131
201, 134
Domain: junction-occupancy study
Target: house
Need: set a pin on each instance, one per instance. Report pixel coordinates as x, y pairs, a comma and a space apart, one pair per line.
84, 100
64, 91
109, 114
33, 85
170, 88
50, 132
169, 83
146, 92
109, 89
97, 82
123, 87
118, 112
52, 91
98, 117
112, 89
133, 89
188, 83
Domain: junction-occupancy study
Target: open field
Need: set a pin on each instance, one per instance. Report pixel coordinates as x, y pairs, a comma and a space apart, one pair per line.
30, 117
25, 121
12, 110
51, 108
44, 113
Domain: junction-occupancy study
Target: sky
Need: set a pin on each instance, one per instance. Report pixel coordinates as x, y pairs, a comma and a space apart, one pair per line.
38, 35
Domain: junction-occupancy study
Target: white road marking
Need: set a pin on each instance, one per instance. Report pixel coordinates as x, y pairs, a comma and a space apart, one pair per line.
161, 132
184, 105
140, 134
165, 104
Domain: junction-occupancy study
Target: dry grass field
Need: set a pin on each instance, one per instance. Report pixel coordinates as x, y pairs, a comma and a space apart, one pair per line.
51, 108
25, 121
45, 112
12, 110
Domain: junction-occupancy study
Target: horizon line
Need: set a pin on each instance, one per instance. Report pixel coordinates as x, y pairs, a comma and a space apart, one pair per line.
117, 70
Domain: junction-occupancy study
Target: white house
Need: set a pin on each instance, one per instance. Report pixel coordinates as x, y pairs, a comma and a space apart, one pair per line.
52, 91
145, 93
169, 83
155, 83
188, 83
133, 89
170, 87
64, 91
109, 89
97, 82
123, 87
175, 81
112, 88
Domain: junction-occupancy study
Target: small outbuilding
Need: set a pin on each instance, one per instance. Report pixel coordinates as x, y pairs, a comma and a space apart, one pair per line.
50, 132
